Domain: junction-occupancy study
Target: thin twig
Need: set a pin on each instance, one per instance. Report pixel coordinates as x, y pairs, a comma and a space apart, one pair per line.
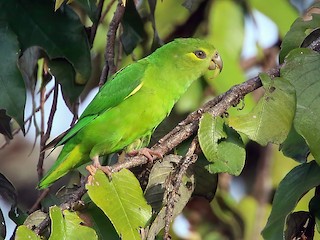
96, 24
104, 14
110, 67
174, 183
46, 134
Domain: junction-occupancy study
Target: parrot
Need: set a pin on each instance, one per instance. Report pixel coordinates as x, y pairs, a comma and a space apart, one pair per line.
132, 103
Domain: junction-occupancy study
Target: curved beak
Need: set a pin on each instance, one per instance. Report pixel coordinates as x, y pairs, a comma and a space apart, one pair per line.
216, 62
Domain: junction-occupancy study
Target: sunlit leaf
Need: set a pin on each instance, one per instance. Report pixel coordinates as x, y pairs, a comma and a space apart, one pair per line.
24, 233
303, 72
295, 184
68, 225
277, 106
122, 200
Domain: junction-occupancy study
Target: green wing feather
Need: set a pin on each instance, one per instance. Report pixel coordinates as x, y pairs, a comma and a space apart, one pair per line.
123, 84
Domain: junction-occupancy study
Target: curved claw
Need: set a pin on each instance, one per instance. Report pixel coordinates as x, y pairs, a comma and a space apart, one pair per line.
151, 155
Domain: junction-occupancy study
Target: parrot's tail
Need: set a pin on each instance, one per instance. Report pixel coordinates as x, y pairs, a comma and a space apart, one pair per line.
70, 158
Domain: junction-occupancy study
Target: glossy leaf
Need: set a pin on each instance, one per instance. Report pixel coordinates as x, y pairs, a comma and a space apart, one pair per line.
221, 145
24, 233
276, 106
122, 200
294, 185
299, 30
302, 71
12, 91
70, 43
68, 225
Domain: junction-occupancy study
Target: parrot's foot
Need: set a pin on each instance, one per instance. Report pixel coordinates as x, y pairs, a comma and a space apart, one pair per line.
148, 153
96, 164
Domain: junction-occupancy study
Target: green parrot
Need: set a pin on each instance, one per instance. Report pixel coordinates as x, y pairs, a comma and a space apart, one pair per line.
132, 103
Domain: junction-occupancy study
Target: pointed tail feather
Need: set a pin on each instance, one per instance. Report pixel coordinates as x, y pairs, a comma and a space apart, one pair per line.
70, 157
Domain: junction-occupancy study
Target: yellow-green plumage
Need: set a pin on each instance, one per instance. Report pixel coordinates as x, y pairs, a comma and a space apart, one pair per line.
133, 103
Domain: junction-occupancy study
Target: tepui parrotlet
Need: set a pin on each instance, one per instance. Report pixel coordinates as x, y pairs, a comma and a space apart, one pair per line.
133, 102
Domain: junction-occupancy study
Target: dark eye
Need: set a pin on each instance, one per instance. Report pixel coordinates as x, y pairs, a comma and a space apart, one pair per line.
200, 54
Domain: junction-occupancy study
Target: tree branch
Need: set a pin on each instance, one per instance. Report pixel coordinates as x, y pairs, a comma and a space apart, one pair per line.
110, 66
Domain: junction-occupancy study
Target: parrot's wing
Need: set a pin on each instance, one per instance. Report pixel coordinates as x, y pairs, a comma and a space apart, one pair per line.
122, 85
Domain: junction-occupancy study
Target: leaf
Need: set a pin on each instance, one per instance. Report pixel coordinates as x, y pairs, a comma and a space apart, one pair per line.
210, 132
294, 185
68, 226
63, 72
156, 188
157, 178
23, 233
299, 30
90, 7
221, 145
295, 147
12, 91
271, 118
206, 182
7, 190
314, 208
121, 199
302, 71
65, 38
299, 225
133, 28
101, 223
5, 126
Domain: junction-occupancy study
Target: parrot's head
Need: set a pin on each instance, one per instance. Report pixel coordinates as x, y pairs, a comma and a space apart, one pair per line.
194, 55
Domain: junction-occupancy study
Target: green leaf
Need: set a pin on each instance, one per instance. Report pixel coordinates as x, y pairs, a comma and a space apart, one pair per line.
221, 145
133, 28
271, 119
302, 71
314, 208
68, 226
5, 126
295, 147
294, 185
12, 90
24, 233
206, 182
65, 38
157, 179
122, 200
90, 7
63, 72
298, 32
101, 223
